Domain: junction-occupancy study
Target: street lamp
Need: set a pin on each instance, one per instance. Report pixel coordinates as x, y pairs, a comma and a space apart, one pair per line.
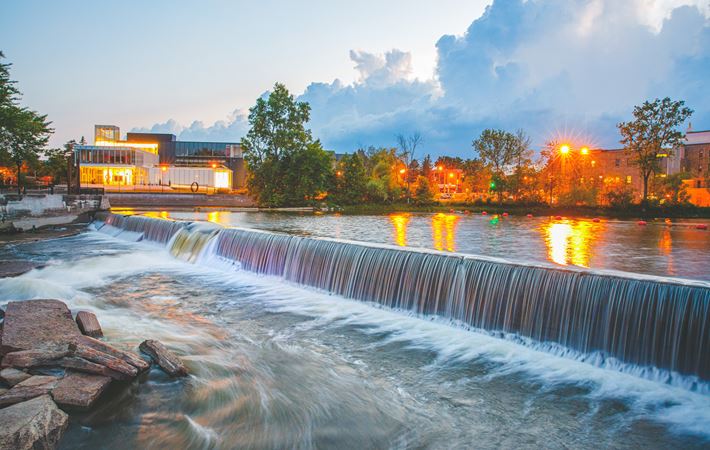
564, 149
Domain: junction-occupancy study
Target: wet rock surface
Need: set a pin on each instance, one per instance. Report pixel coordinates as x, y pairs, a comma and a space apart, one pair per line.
164, 358
79, 390
88, 324
11, 376
34, 424
47, 361
37, 324
16, 268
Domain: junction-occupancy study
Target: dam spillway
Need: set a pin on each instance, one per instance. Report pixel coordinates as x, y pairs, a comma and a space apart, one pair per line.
644, 321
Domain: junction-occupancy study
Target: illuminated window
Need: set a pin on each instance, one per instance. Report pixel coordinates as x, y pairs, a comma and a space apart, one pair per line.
594, 163
628, 179
221, 179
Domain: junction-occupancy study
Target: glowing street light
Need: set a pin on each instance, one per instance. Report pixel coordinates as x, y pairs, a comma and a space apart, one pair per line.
564, 149
584, 151
402, 171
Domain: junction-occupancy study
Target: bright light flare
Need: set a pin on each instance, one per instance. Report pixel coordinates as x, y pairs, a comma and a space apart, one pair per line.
564, 149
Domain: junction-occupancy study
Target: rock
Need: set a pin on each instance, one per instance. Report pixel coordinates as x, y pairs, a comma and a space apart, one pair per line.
30, 388
88, 324
21, 393
13, 268
79, 390
82, 365
130, 358
12, 376
39, 380
167, 360
2, 313
26, 359
34, 424
37, 324
104, 359
2, 390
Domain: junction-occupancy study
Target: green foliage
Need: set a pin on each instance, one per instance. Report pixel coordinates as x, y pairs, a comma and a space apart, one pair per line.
652, 132
286, 166
619, 196
673, 191
58, 163
23, 132
350, 185
424, 195
449, 162
377, 191
426, 167
500, 149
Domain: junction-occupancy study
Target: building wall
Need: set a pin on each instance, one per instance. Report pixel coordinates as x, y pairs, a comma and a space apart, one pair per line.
696, 162
185, 176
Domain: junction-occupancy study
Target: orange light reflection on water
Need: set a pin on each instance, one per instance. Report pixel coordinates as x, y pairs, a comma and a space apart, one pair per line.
399, 223
570, 243
443, 231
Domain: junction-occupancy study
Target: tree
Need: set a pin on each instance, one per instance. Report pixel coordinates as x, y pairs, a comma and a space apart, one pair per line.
674, 190
59, 163
23, 132
286, 166
500, 150
350, 185
424, 194
653, 132
407, 149
426, 166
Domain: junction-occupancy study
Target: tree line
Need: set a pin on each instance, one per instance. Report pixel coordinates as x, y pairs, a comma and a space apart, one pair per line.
288, 167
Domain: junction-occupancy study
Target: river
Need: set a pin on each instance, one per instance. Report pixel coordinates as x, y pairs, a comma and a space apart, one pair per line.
276, 364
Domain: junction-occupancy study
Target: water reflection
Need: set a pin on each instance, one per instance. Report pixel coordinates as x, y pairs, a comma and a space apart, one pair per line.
666, 247
399, 223
569, 242
443, 230
219, 217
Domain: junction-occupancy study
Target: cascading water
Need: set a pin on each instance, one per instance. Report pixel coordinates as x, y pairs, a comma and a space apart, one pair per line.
646, 321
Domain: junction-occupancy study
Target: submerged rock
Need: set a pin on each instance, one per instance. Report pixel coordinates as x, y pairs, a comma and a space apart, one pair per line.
164, 358
88, 324
34, 424
16, 268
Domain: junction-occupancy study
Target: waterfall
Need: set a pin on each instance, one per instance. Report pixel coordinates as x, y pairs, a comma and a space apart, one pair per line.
642, 320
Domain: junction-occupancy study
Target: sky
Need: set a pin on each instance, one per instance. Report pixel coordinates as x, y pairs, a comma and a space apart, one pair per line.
559, 69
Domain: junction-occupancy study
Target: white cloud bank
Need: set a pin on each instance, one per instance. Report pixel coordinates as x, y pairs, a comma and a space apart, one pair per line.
543, 65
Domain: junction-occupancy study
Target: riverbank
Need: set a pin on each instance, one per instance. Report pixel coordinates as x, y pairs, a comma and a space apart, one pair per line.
48, 227
632, 212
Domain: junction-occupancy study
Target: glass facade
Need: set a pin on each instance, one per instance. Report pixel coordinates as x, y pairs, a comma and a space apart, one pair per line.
201, 149
89, 154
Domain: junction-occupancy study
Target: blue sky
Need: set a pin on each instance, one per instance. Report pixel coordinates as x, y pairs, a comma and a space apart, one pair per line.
370, 69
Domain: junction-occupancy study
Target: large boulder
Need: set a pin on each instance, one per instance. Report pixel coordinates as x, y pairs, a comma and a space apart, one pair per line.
37, 325
34, 424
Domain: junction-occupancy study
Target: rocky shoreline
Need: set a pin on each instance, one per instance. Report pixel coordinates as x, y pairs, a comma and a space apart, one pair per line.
54, 364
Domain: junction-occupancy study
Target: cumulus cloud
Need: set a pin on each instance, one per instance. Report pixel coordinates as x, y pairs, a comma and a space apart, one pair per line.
542, 65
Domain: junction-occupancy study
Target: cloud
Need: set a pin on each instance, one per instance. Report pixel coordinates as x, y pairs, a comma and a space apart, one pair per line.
542, 65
